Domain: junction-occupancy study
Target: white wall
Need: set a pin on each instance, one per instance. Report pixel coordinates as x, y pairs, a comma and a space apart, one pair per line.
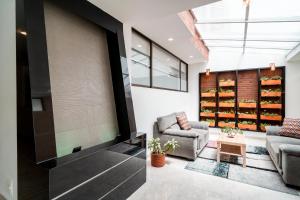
151, 103
292, 105
8, 119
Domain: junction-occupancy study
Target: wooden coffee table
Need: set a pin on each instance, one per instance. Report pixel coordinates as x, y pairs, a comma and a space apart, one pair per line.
232, 146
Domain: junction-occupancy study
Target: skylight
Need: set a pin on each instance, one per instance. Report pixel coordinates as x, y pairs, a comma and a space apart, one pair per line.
265, 26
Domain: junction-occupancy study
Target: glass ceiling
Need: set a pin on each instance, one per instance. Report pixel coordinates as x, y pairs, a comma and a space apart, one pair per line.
265, 26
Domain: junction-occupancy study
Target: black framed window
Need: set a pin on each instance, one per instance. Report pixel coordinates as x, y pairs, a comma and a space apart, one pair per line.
140, 60
155, 67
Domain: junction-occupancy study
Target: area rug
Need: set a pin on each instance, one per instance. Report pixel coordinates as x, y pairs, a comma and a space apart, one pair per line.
260, 170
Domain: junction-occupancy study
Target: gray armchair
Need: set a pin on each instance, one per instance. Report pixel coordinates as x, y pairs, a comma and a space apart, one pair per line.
285, 153
191, 141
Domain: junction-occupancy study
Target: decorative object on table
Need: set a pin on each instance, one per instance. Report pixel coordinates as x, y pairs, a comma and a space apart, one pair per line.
231, 132
158, 153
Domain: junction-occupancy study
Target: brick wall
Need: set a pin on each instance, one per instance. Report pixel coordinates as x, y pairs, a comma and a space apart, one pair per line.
247, 85
208, 82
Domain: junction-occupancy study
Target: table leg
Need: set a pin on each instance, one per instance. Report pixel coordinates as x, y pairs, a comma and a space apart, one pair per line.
244, 155
218, 151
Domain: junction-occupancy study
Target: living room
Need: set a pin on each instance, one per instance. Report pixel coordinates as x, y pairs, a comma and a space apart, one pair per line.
192, 99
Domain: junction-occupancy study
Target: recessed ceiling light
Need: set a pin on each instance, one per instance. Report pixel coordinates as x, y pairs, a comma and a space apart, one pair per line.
139, 46
23, 33
191, 56
170, 39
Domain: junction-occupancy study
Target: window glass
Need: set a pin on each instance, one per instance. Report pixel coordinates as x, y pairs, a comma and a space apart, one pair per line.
165, 69
140, 60
183, 69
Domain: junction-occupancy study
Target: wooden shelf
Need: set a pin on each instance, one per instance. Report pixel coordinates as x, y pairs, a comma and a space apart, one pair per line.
251, 127
247, 116
222, 124
208, 104
271, 82
205, 114
247, 105
226, 94
271, 118
226, 105
271, 94
226, 115
212, 124
226, 83
271, 106
208, 94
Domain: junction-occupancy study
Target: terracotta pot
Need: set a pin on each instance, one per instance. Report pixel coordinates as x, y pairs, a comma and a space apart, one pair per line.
247, 105
271, 94
158, 160
273, 118
247, 116
227, 115
275, 106
226, 83
222, 124
252, 127
211, 124
205, 114
208, 94
226, 94
226, 105
208, 104
271, 82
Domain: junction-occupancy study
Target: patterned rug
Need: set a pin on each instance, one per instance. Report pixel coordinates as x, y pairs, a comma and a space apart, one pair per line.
259, 164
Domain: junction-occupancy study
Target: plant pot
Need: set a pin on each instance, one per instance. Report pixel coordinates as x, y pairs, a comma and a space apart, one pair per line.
227, 115
247, 105
226, 94
274, 106
251, 127
226, 83
222, 124
271, 94
226, 105
271, 82
247, 116
212, 124
263, 128
208, 104
158, 160
205, 114
208, 94
271, 118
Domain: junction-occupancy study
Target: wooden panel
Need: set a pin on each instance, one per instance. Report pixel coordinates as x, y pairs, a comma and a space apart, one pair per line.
208, 82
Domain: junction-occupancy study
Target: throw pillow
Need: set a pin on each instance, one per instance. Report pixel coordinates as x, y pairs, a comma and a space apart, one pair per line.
183, 122
290, 128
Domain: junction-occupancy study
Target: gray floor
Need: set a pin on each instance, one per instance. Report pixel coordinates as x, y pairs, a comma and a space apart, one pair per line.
176, 183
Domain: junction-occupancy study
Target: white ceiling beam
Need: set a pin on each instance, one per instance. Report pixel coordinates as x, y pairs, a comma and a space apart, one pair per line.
293, 52
246, 27
248, 21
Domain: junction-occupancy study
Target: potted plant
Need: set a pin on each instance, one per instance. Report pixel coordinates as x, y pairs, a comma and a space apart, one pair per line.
274, 80
270, 104
271, 92
250, 125
231, 132
158, 153
227, 82
207, 113
247, 103
227, 103
226, 93
208, 92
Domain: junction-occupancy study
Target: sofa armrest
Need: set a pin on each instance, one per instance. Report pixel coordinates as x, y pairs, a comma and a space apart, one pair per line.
290, 149
273, 130
181, 133
199, 125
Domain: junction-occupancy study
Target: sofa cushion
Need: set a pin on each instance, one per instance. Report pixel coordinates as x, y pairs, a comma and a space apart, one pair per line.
181, 133
290, 128
165, 122
175, 126
183, 122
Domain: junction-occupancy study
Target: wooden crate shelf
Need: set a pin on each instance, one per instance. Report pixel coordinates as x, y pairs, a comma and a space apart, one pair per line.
271, 82
208, 104
205, 114
211, 124
271, 94
226, 83
226, 94
226, 105
247, 116
208, 94
247, 105
222, 124
271, 118
226, 115
252, 127
271, 106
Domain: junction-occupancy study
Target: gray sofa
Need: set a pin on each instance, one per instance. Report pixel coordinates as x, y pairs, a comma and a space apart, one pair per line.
191, 141
285, 153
